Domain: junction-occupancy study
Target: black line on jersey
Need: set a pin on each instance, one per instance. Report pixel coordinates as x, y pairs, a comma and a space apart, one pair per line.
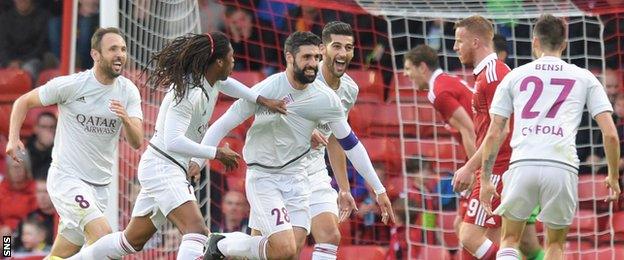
169, 157
282, 166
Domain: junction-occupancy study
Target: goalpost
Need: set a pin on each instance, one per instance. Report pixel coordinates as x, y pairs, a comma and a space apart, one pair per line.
417, 22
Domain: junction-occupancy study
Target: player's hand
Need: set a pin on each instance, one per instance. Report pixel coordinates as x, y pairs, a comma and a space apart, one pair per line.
614, 185
318, 140
118, 109
386, 208
463, 179
15, 149
488, 190
227, 157
193, 171
273, 105
346, 205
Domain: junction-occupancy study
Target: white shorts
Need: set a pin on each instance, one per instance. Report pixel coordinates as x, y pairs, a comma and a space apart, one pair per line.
77, 203
278, 201
164, 187
323, 197
554, 189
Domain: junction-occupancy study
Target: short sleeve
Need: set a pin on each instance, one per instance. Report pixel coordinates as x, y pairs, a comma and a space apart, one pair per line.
57, 90
597, 100
502, 102
133, 106
446, 104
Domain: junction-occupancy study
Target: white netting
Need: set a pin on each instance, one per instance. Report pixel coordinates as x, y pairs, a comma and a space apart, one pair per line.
427, 143
148, 26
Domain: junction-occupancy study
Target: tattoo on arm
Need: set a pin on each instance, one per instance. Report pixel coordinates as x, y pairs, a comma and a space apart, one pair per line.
493, 145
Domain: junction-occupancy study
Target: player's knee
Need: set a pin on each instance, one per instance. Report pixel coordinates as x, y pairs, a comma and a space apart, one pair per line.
137, 242
329, 236
469, 236
282, 249
195, 228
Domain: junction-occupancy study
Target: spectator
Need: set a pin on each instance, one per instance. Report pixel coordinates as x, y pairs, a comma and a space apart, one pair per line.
39, 145
248, 40
23, 37
612, 84
17, 194
34, 235
45, 213
235, 212
210, 15
500, 47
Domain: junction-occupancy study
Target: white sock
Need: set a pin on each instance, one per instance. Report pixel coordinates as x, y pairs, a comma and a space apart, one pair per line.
238, 244
111, 246
323, 251
192, 246
508, 253
483, 248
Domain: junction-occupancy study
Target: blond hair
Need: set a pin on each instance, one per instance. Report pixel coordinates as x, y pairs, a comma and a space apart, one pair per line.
477, 25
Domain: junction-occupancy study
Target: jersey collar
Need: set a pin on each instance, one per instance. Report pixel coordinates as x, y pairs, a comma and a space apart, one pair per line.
484, 62
434, 75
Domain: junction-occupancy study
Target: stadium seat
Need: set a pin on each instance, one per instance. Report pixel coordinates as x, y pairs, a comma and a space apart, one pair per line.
249, 78
369, 81
384, 150
584, 226
591, 189
13, 83
607, 252
407, 91
3, 143
434, 252
445, 222
346, 235
350, 252
47, 75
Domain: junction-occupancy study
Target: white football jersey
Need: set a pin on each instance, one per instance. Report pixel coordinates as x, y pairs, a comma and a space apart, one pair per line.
347, 92
88, 131
276, 142
547, 97
195, 109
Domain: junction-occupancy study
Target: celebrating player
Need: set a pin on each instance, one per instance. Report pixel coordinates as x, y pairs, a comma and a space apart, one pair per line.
93, 106
196, 67
276, 183
547, 97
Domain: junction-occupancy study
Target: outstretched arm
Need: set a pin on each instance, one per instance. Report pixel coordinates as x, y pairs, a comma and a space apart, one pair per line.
357, 154
18, 114
236, 89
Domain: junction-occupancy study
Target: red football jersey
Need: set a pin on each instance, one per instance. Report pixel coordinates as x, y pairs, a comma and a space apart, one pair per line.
447, 93
489, 72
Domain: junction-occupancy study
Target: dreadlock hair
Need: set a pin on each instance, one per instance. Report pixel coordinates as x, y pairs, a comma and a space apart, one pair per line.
185, 60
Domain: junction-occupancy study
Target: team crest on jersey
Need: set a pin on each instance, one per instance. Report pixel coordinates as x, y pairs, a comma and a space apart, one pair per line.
288, 99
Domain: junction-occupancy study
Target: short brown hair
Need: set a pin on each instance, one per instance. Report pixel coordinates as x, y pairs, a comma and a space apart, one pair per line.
551, 31
423, 53
96, 39
478, 25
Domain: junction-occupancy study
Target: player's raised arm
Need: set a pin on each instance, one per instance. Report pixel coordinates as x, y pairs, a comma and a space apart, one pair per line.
236, 89
18, 114
357, 154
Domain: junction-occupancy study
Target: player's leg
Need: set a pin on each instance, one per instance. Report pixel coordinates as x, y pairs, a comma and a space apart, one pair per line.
519, 198
63, 248
480, 233
324, 212
190, 222
558, 199
459, 219
529, 244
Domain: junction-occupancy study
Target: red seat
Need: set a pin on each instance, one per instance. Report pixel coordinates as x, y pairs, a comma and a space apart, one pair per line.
249, 78
47, 75
591, 189
445, 222
346, 237
369, 81
607, 252
13, 83
434, 252
384, 150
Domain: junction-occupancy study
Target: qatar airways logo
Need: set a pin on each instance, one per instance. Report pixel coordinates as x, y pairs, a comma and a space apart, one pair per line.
542, 130
98, 125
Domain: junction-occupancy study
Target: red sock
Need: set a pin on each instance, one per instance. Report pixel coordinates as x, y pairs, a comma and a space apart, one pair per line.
465, 255
491, 253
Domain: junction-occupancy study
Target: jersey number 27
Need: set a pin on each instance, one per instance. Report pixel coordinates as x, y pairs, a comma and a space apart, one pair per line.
538, 84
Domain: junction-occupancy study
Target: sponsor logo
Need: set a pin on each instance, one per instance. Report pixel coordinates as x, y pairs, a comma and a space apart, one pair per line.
98, 125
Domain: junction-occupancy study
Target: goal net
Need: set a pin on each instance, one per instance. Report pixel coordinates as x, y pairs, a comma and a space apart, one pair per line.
147, 27
430, 155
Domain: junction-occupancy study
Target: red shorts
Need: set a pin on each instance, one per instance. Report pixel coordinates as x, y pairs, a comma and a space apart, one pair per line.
475, 214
